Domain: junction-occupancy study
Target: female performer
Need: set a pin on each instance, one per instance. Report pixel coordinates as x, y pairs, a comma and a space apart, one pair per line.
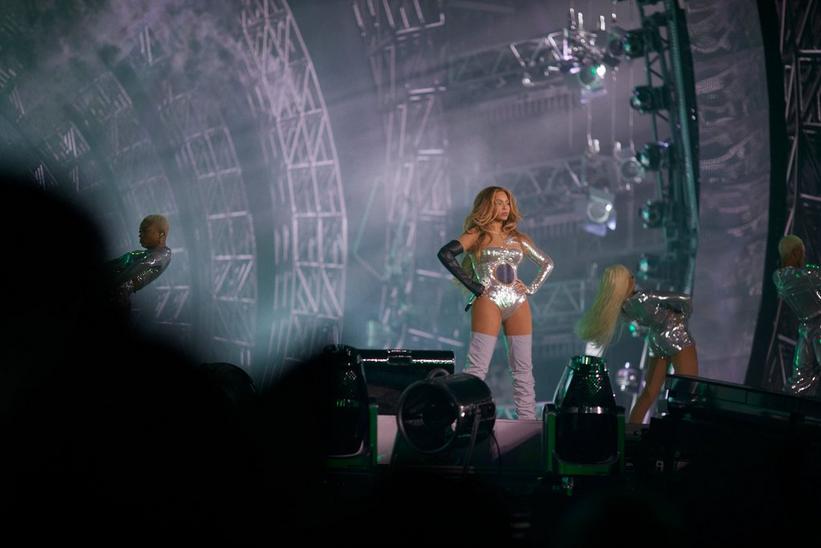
494, 248
663, 314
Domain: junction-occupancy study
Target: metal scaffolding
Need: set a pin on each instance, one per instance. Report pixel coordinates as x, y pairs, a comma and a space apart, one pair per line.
406, 46
669, 72
311, 239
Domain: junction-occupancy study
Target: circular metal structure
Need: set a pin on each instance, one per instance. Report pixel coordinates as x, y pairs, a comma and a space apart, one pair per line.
213, 117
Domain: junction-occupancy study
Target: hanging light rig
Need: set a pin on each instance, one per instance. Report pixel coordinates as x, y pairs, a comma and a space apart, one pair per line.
586, 55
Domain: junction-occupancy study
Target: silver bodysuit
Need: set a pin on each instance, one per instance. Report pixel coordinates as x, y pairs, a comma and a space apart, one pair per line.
495, 268
136, 269
665, 317
800, 288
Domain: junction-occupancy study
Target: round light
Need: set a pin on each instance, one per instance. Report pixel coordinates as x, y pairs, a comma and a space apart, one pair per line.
601, 70
598, 212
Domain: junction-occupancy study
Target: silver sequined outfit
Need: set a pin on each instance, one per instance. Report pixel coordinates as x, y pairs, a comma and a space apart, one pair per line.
665, 317
495, 268
136, 269
801, 290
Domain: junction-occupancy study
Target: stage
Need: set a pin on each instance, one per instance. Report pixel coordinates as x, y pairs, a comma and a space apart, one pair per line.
718, 472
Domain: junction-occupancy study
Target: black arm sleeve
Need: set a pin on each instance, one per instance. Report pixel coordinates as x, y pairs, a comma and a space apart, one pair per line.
447, 255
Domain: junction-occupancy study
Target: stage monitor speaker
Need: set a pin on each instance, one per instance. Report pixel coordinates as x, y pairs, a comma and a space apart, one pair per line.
698, 396
389, 372
731, 429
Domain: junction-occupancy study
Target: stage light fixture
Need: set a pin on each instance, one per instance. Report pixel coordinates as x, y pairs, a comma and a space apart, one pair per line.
353, 417
626, 43
631, 171
650, 98
646, 263
652, 266
592, 77
584, 428
600, 206
628, 379
654, 156
652, 214
445, 411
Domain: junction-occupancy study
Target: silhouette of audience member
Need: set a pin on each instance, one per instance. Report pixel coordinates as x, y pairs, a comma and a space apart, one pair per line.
108, 437
637, 519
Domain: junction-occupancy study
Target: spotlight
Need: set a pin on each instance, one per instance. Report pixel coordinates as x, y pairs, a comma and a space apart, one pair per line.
583, 427
352, 440
628, 379
634, 44
630, 170
650, 98
626, 43
655, 155
648, 265
592, 77
652, 214
445, 411
599, 205
657, 267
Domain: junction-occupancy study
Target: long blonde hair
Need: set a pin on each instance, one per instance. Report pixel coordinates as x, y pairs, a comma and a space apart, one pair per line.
599, 322
483, 214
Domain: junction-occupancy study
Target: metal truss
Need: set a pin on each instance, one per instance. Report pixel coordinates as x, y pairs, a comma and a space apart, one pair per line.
486, 69
668, 65
549, 187
800, 48
59, 143
206, 151
406, 48
311, 246
556, 308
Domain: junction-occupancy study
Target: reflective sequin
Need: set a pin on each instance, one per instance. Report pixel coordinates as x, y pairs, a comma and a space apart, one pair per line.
136, 269
665, 316
496, 267
800, 288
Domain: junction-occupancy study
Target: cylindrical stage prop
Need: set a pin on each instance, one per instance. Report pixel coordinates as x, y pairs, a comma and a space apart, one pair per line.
445, 411
587, 415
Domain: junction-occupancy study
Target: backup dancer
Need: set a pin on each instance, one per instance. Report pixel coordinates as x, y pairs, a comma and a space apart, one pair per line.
663, 314
136, 269
799, 285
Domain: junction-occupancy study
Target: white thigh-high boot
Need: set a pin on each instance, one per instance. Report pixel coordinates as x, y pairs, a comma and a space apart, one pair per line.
480, 352
520, 352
